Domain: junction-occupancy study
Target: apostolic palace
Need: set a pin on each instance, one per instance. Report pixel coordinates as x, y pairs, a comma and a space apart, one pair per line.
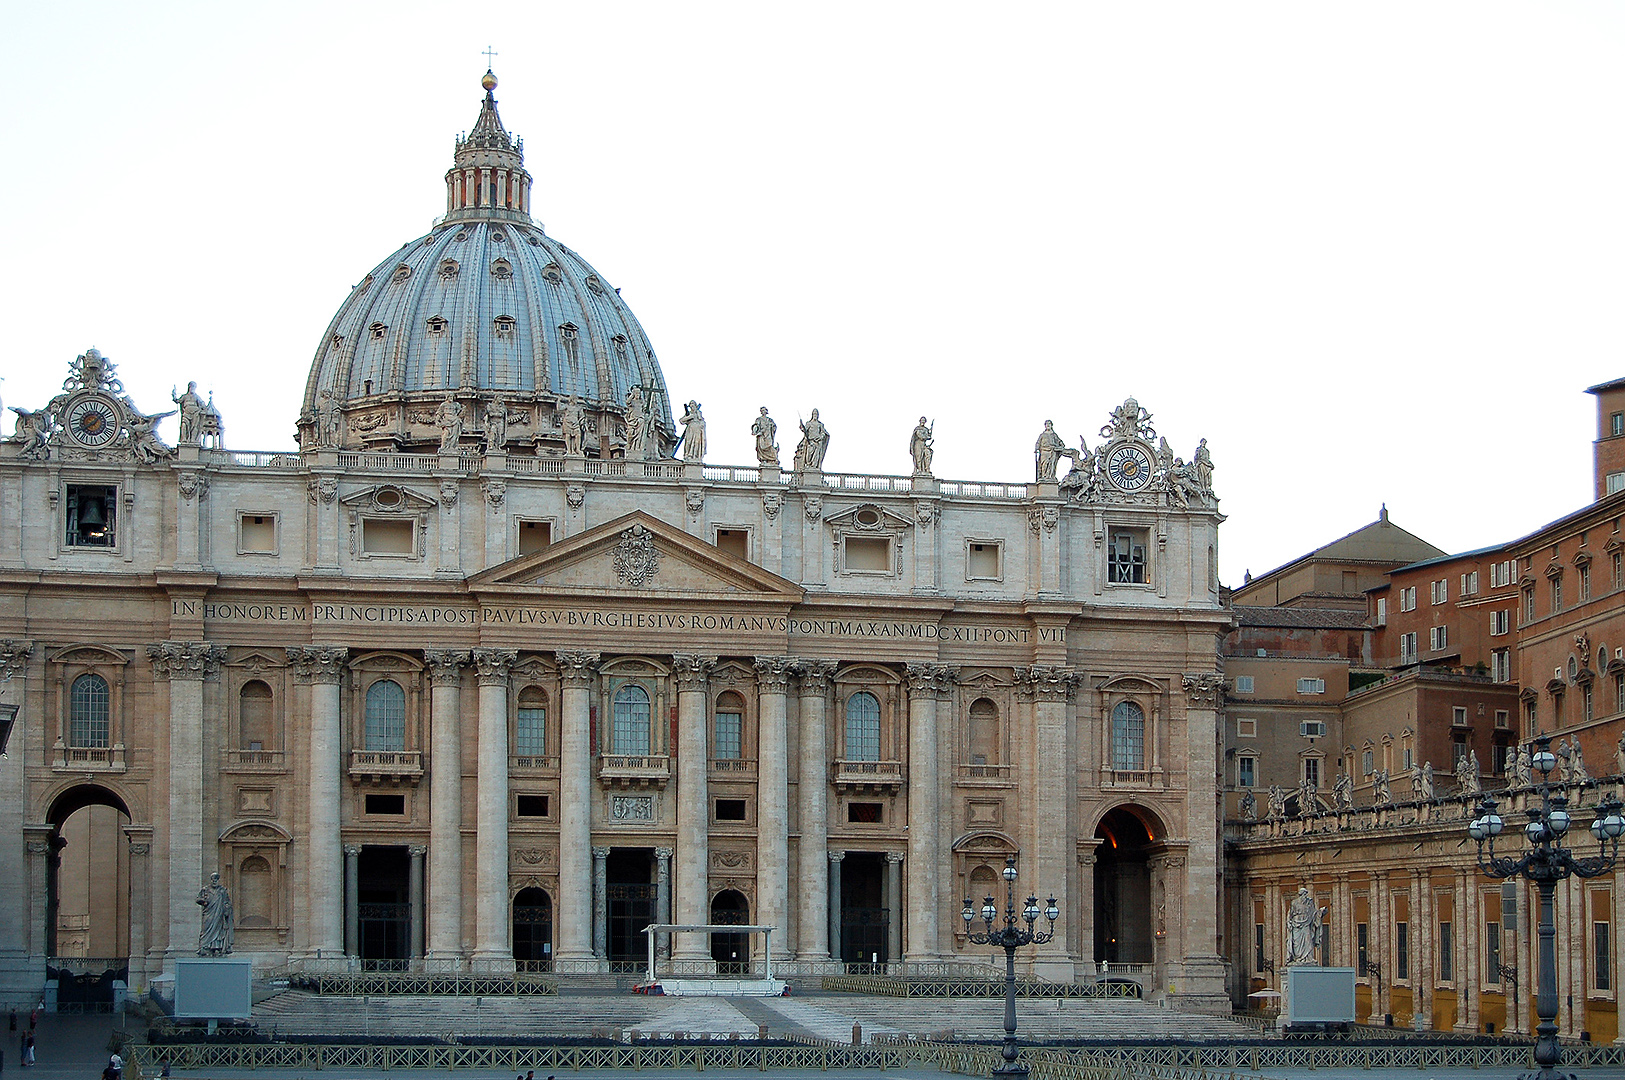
493, 668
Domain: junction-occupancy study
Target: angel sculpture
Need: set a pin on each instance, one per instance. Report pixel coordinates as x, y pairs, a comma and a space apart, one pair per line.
33, 431
144, 442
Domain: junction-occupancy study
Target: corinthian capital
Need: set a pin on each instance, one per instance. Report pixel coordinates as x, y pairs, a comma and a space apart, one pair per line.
576, 668
493, 665
446, 665
318, 663
692, 671
1204, 689
773, 673
814, 674
931, 678
183, 660
1046, 683
13, 657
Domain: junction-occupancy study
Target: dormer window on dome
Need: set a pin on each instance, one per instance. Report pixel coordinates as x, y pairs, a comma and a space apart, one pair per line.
502, 270
504, 325
552, 274
435, 325
402, 272
447, 270
377, 331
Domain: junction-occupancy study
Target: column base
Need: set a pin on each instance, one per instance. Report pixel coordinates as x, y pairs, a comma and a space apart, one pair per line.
1197, 984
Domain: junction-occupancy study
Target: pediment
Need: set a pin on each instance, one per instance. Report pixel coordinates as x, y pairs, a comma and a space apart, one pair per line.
388, 499
869, 517
637, 553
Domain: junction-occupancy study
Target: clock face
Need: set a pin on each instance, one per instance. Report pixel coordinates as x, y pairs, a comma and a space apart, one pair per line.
92, 421
1129, 467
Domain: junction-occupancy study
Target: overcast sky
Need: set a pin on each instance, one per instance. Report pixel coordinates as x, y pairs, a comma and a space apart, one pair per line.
1370, 251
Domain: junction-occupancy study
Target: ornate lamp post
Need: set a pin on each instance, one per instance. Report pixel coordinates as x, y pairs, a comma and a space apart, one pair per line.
1010, 937
1546, 863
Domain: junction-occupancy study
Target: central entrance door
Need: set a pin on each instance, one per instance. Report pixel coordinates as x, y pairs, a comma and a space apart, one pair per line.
630, 874
383, 898
730, 951
864, 917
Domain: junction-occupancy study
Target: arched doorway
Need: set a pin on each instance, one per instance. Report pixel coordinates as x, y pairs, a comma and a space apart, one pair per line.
1123, 915
87, 927
533, 930
730, 951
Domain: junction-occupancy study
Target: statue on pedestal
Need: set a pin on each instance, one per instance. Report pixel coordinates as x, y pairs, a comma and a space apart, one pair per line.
1303, 928
1047, 452
814, 444
765, 430
693, 432
919, 447
219, 928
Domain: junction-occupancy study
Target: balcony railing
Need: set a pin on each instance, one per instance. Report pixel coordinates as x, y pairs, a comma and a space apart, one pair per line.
984, 772
255, 759
874, 776
634, 770
733, 766
533, 763
1140, 778
386, 766
102, 758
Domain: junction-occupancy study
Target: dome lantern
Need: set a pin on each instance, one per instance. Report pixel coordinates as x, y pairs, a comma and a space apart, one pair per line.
488, 177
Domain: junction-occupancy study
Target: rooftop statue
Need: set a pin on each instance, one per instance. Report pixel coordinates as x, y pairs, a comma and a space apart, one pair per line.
693, 439
449, 419
919, 447
572, 422
765, 431
1467, 774
813, 445
191, 410
1047, 452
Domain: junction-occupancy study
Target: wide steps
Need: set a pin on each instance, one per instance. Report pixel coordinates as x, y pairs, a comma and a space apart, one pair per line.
821, 1016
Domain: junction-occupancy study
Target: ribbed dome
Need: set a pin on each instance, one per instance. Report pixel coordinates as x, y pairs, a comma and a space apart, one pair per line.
484, 307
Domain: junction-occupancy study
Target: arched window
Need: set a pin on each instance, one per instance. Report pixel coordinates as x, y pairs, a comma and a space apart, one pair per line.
89, 714
863, 727
728, 739
984, 732
254, 717
386, 716
1128, 737
630, 734
530, 723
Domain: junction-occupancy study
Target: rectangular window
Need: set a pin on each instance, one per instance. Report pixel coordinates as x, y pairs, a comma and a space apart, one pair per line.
1382, 611
256, 534
1128, 739
1258, 946
1447, 958
1619, 569
868, 554
1126, 557
1407, 598
393, 805
1245, 776
1407, 648
1500, 574
1585, 583
730, 810
1529, 605
1405, 756
1619, 693
1244, 684
1492, 953
1498, 759
1602, 957
534, 536
1362, 950
984, 560
730, 727
863, 813
1458, 716
530, 732
1367, 763
1311, 773
1500, 623
1586, 702
1501, 665
1469, 583
387, 536
1616, 424
735, 542
1557, 595
1503, 718
1246, 729
1437, 636
1402, 950
1615, 482
1312, 729
1529, 716
1311, 686
92, 510
1440, 591
531, 806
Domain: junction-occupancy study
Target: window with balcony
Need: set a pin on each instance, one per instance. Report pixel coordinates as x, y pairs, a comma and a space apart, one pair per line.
89, 712
385, 727
982, 735
1128, 737
863, 727
728, 735
629, 733
256, 717
530, 724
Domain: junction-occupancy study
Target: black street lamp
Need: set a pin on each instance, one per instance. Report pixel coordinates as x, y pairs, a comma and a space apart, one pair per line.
1010, 937
1546, 863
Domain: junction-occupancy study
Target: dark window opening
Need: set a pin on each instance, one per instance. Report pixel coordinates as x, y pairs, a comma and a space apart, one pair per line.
386, 804
863, 813
533, 806
91, 512
730, 809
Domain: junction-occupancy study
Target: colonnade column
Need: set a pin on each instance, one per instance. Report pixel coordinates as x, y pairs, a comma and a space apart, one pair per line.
445, 917
352, 899
1468, 919
600, 902
184, 665
1049, 871
573, 904
322, 668
812, 796
1422, 962
773, 799
835, 858
894, 900
415, 853
693, 803
926, 682
1380, 935
493, 948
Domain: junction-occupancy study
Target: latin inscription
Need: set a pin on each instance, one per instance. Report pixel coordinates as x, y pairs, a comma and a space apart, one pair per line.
599, 619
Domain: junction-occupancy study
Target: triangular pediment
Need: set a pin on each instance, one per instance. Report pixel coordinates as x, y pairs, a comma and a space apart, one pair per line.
637, 553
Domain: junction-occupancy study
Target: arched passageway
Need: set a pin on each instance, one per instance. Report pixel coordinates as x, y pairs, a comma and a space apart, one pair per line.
87, 928
1123, 930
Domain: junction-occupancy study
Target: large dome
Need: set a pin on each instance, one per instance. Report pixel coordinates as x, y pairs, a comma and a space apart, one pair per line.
485, 308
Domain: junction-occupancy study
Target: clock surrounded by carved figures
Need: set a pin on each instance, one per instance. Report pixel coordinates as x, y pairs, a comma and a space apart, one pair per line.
92, 420
1129, 467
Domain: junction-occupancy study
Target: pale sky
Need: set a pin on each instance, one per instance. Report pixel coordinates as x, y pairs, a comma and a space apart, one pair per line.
1370, 251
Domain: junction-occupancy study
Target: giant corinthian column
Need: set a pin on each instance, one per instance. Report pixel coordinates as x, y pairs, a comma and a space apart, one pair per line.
574, 911
773, 796
321, 667
926, 683
812, 796
493, 949
445, 916
693, 805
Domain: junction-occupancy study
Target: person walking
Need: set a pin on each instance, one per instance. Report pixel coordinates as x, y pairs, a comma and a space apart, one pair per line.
28, 1048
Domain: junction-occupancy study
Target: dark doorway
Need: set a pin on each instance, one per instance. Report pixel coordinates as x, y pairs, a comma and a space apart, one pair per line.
1123, 889
864, 917
630, 874
730, 951
533, 930
87, 895
383, 897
